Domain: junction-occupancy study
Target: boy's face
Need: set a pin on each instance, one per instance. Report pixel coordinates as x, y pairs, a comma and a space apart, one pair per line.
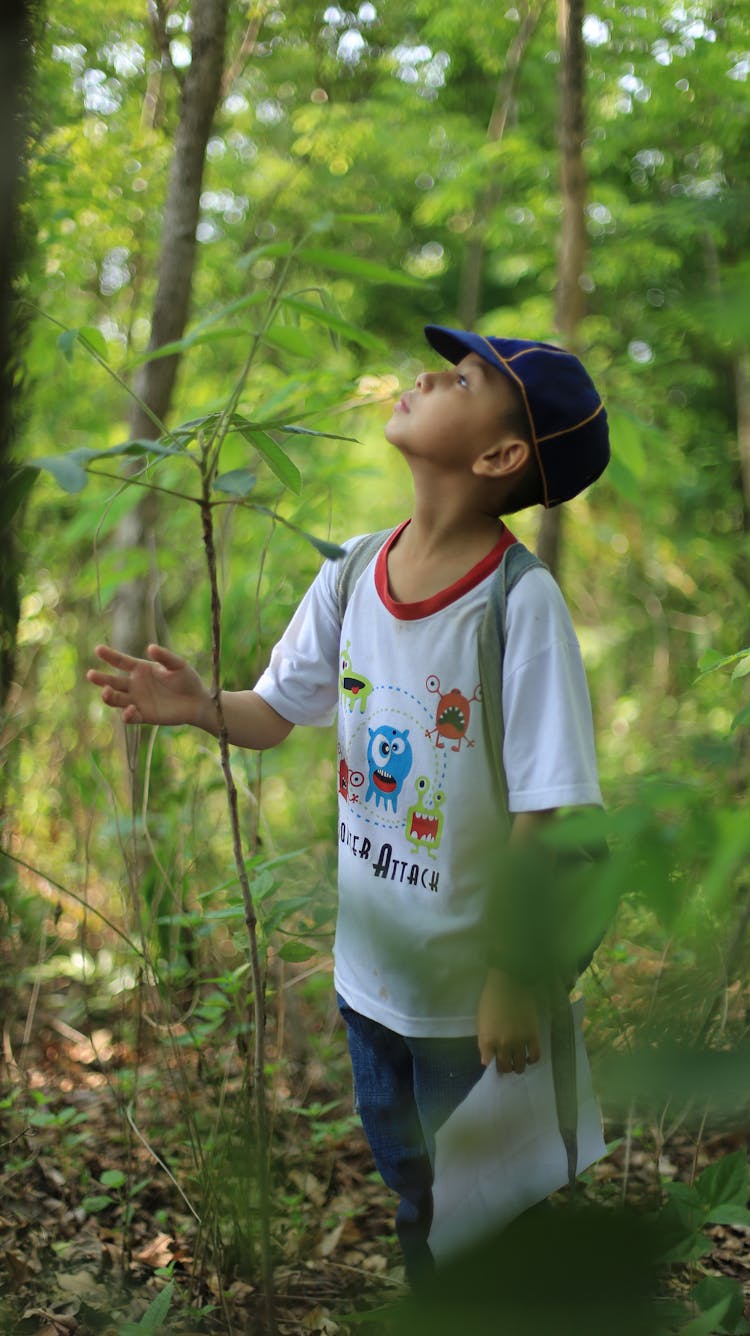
452, 416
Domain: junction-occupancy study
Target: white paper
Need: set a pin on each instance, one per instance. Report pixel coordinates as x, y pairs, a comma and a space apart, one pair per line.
501, 1151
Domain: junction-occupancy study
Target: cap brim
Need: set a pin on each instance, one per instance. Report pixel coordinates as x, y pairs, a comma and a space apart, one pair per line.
454, 344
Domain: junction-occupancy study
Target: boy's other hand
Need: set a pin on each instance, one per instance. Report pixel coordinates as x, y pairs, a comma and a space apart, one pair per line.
507, 1023
162, 689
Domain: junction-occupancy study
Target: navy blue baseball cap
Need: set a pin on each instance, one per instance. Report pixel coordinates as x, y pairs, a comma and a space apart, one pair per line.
567, 419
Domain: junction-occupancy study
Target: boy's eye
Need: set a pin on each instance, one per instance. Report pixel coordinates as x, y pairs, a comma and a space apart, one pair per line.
463, 380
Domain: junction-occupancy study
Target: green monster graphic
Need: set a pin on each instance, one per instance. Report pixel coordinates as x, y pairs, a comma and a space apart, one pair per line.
424, 824
353, 686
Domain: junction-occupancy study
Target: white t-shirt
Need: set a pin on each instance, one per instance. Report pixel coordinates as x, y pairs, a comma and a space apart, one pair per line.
416, 795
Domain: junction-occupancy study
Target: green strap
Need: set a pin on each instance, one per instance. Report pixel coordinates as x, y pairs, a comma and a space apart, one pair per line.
516, 561
355, 563
491, 651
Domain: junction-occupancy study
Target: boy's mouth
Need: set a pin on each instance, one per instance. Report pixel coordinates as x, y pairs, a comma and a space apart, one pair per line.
403, 405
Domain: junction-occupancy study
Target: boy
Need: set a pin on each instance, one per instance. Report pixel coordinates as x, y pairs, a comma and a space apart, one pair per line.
507, 424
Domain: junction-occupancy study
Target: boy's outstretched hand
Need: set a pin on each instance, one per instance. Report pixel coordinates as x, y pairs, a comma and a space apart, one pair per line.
507, 1023
162, 689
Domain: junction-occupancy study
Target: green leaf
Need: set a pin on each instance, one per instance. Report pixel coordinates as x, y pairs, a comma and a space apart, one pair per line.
141, 447
708, 1322
742, 669
309, 431
65, 470
742, 718
289, 340
731, 1213
66, 343
336, 324
237, 482
685, 1194
93, 1205
711, 661
296, 952
725, 1181
277, 460
93, 338
332, 551
112, 1178
338, 262
273, 250
712, 1290
154, 1317
196, 339
680, 1227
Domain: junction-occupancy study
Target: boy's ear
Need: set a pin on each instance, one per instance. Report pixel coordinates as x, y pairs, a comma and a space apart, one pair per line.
504, 459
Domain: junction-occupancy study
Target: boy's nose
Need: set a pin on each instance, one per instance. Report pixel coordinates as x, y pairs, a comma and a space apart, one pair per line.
425, 380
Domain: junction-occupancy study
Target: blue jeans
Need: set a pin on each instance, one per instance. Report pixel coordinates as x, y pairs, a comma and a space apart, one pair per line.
405, 1089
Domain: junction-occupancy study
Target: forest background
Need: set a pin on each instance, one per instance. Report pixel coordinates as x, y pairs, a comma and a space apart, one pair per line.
352, 175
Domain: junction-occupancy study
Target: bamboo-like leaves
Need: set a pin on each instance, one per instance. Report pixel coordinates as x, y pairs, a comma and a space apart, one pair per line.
237, 482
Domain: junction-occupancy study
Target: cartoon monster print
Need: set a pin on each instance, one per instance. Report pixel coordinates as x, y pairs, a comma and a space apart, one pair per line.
389, 755
424, 822
349, 780
353, 686
453, 714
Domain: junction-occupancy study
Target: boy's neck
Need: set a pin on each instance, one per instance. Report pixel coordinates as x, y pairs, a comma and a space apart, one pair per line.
447, 517
440, 545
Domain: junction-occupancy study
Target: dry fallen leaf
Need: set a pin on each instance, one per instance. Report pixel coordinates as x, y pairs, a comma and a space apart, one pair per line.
330, 1242
157, 1253
58, 1326
20, 1265
320, 1320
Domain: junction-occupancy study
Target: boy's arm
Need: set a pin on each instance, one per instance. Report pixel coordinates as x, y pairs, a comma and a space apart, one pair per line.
164, 689
507, 1017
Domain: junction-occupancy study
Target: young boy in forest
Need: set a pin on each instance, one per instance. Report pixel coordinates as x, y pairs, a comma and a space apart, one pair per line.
507, 424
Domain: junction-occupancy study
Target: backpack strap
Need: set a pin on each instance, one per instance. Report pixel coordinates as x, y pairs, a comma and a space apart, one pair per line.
355, 563
516, 561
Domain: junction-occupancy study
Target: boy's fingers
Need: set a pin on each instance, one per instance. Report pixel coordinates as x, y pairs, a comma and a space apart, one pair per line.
115, 658
165, 657
510, 1057
117, 699
107, 680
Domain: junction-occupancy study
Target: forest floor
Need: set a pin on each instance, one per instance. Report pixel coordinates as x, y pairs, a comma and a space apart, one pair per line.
94, 1228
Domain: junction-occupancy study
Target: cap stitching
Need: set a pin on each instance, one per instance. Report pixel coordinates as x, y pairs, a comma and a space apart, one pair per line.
574, 426
541, 348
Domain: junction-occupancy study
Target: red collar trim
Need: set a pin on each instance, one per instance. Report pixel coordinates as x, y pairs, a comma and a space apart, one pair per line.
412, 612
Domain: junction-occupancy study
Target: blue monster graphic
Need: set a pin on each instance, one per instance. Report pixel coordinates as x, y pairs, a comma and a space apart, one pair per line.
390, 757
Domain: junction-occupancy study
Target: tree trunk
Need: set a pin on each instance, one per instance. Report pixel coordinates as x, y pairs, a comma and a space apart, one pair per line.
19, 22
742, 384
569, 301
470, 296
134, 610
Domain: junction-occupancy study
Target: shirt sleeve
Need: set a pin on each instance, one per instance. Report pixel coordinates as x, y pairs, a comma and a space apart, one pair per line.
548, 749
301, 680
